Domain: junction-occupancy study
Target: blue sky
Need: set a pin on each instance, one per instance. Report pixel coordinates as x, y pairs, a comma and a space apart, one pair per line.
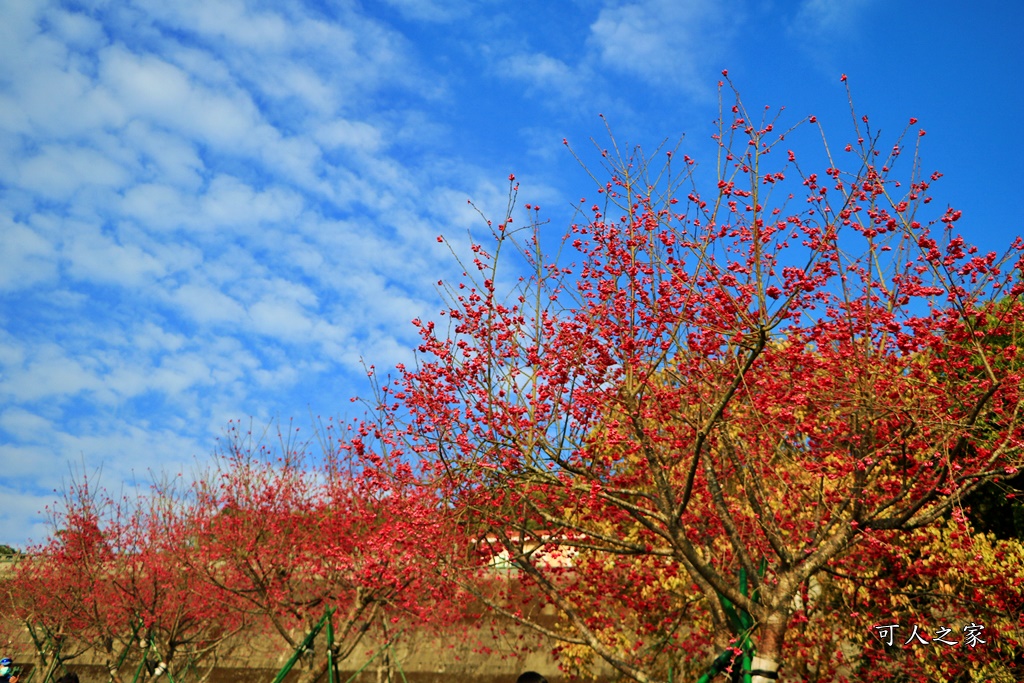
218, 209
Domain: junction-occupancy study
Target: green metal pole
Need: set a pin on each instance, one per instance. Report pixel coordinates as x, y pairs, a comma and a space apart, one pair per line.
306, 642
330, 648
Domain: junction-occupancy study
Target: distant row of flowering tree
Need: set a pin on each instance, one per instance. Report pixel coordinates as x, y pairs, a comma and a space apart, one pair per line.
257, 552
729, 428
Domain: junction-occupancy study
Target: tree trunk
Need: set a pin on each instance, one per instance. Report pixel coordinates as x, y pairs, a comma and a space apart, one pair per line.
763, 670
765, 666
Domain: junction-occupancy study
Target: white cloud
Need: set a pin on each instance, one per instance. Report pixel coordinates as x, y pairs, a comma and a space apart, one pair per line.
173, 159
12, 350
18, 28
75, 29
824, 20
229, 202
181, 373
666, 42
97, 257
26, 257
51, 86
544, 73
23, 515
284, 319
159, 207
821, 28
340, 55
233, 21
207, 304
150, 337
59, 171
49, 371
23, 424
356, 135
150, 87
675, 47
430, 10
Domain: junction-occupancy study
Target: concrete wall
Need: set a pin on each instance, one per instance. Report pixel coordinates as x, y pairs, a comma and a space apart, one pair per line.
469, 653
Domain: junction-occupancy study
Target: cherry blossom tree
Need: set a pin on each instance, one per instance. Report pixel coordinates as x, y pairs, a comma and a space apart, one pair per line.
110, 581
717, 389
59, 593
285, 538
168, 615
